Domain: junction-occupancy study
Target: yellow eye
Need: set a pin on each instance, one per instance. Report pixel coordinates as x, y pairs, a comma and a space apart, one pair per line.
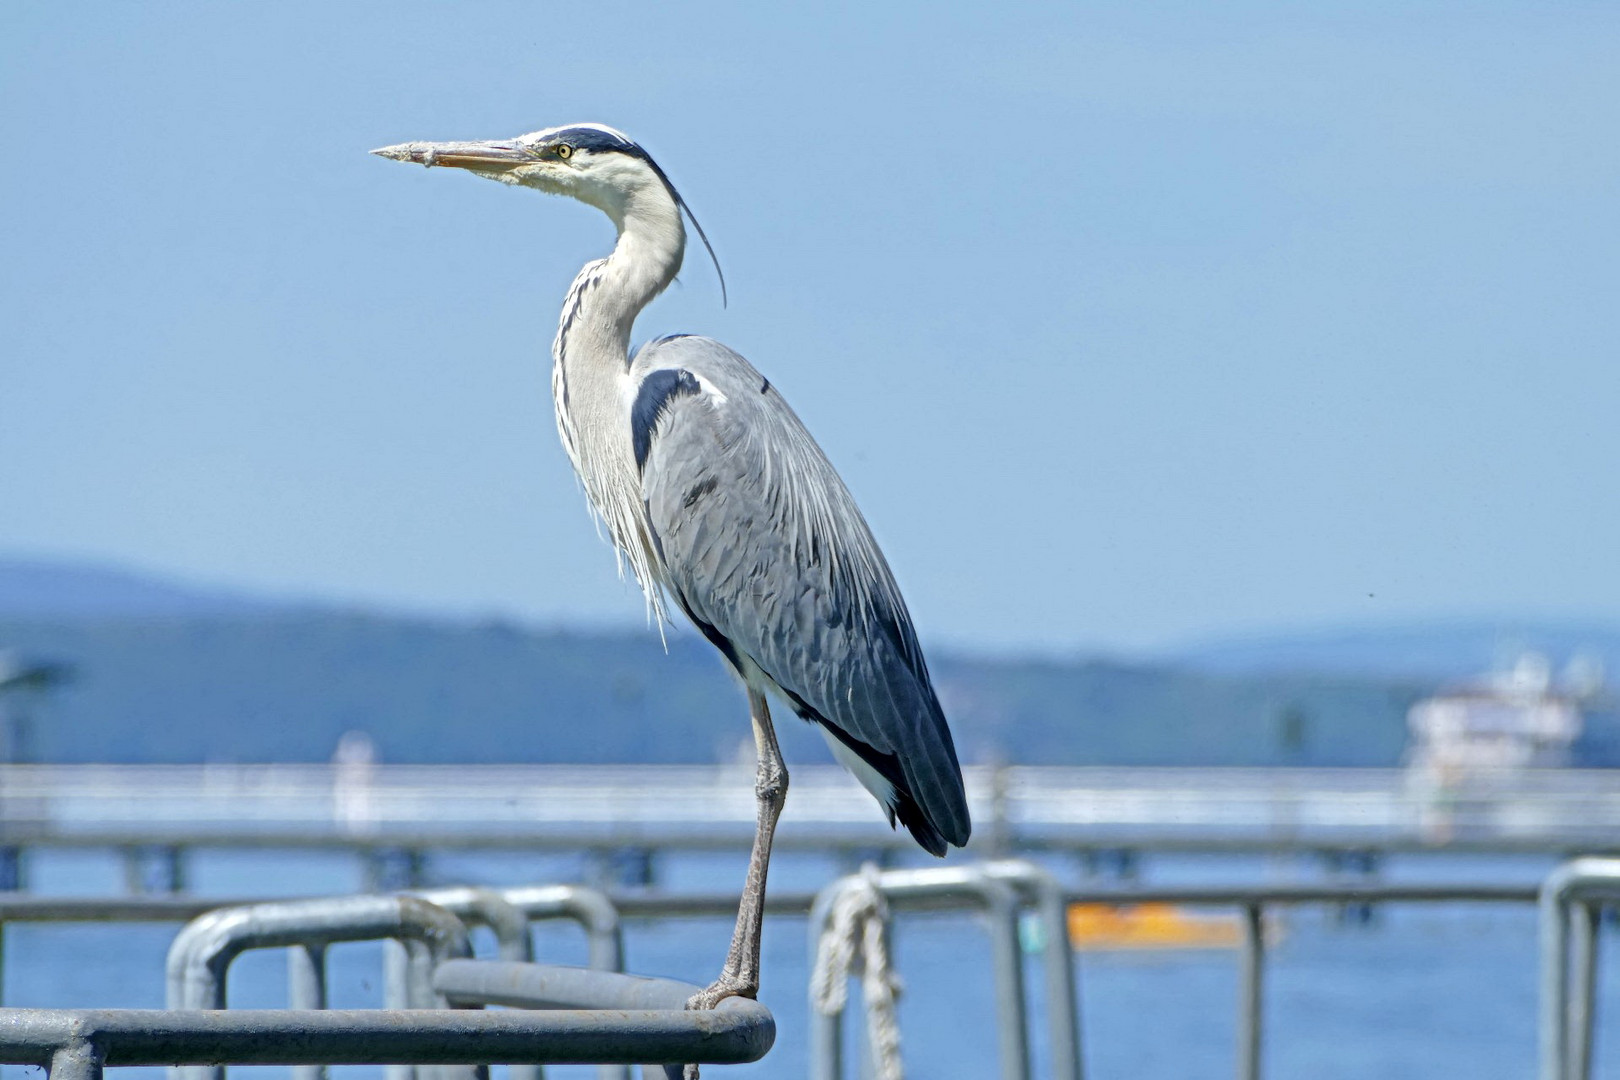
565, 151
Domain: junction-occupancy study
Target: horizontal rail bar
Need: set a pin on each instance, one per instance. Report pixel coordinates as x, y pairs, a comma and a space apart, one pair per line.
738, 1030
700, 905
33, 907
553, 986
1309, 894
26, 907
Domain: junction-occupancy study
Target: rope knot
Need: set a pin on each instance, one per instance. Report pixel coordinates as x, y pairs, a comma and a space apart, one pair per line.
855, 942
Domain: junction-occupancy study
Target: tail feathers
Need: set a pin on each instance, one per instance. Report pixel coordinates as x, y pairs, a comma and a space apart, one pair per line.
884, 776
916, 822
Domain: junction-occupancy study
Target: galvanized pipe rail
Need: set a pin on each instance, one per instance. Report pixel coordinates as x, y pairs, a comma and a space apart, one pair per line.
1251, 901
201, 954
77, 1044
640, 904
1571, 901
591, 909
478, 906
554, 986
509, 922
1042, 891
534, 986
941, 888
644, 905
421, 931
595, 912
406, 965
851, 846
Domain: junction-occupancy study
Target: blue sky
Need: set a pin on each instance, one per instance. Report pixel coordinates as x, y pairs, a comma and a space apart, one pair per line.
1125, 326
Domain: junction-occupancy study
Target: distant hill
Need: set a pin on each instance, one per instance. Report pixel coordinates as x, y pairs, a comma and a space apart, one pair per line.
1437, 651
168, 672
285, 686
45, 588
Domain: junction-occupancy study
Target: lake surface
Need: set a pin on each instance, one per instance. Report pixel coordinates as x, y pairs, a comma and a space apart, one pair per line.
1422, 992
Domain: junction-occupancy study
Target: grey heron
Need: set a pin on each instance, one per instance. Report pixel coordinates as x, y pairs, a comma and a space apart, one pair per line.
717, 498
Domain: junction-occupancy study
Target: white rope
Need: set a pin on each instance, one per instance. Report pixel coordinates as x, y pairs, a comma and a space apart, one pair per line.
855, 942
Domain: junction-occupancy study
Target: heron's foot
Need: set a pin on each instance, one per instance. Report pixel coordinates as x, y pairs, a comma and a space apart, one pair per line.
713, 994
723, 987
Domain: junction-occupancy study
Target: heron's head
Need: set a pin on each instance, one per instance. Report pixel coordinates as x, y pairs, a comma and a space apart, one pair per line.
589, 162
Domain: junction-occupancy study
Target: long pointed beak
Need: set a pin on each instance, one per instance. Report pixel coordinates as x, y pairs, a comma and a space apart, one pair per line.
489, 157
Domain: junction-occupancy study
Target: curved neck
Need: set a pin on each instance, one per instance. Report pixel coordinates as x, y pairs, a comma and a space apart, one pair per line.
592, 357
608, 294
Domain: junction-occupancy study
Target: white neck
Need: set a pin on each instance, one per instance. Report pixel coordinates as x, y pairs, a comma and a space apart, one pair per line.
591, 357
608, 294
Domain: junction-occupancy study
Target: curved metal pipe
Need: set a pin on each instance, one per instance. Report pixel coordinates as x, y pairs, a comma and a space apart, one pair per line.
591, 908
203, 949
485, 907
201, 954
936, 888
1046, 894
1566, 1024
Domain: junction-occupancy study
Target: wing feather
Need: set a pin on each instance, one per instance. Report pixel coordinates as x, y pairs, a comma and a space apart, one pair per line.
763, 545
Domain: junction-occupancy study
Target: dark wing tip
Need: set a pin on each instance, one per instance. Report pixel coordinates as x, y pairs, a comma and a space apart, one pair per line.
924, 831
936, 820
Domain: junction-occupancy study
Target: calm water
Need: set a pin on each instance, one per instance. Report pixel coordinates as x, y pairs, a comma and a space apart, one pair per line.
1430, 992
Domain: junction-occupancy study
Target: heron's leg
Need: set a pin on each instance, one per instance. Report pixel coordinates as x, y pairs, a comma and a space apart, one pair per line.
740, 976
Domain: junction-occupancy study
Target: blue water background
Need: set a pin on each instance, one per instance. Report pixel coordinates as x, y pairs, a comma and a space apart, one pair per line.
1423, 992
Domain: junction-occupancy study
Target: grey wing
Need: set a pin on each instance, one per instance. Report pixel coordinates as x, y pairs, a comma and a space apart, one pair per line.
764, 548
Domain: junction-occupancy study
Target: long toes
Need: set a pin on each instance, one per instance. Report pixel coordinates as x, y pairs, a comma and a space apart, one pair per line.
712, 995
719, 990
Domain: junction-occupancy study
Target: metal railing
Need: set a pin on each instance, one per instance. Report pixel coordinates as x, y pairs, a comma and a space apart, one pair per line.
474, 907
925, 890
1572, 900
201, 955
999, 890
1570, 903
422, 931
612, 1019
77, 1044
592, 910
595, 913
